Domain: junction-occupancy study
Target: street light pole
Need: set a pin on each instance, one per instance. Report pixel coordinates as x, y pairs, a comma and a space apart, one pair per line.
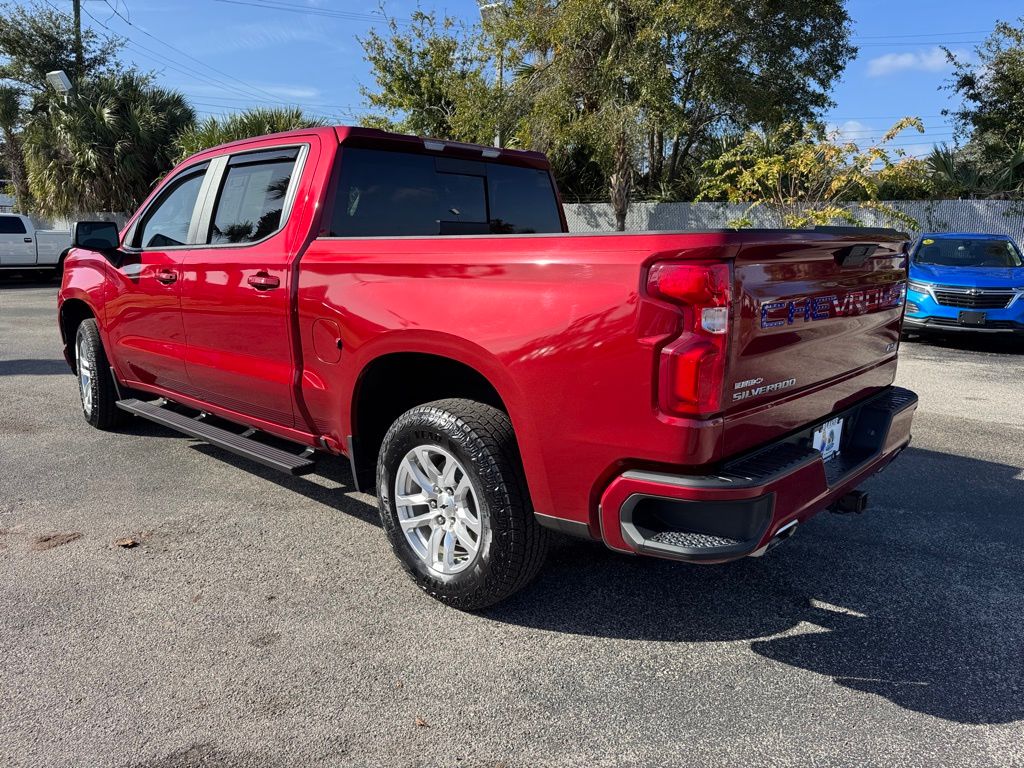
488, 9
79, 54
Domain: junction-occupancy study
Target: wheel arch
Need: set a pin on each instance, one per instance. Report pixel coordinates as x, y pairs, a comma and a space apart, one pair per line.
73, 312
391, 383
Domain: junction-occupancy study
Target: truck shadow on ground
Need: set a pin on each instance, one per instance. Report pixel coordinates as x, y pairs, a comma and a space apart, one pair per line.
34, 367
921, 601
18, 280
331, 484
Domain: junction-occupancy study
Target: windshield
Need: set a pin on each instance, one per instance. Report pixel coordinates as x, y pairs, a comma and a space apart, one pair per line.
968, 252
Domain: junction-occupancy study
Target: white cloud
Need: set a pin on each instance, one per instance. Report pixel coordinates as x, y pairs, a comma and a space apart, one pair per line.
300, 92
853, 130
284, 92
261, 35
933, 60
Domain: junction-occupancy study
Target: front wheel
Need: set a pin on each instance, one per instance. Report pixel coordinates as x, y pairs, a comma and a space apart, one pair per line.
454, 503
95, 380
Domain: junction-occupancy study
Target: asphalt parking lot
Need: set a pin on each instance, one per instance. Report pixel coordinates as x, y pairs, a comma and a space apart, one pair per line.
263, 621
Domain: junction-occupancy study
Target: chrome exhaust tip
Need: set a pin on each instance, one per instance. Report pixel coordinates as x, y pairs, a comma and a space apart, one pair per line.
780, 536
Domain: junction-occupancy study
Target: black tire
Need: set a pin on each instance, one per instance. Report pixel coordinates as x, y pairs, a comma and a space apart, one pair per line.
102, 412
512, 545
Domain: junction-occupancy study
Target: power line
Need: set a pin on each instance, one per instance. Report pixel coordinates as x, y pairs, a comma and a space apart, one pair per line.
250, 92
187, 55
337, 107
279, 5
883, 117
896, 44
921, 34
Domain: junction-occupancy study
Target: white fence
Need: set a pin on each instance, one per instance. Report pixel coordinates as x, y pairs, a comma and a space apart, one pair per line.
990, 216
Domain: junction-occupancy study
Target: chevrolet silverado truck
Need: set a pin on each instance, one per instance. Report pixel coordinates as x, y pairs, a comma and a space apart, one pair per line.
24, 248
419, 308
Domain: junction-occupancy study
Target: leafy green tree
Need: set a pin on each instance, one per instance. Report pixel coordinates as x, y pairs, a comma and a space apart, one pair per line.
431, 79
36, 39
631, 89
804, 176
106, 147
991, 85
240, 125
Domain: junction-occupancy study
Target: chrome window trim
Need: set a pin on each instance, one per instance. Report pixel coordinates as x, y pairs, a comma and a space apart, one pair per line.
206, 218
202, 215
130, 234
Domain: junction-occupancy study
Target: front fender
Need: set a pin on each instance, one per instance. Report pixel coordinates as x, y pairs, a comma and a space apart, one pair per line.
83, 292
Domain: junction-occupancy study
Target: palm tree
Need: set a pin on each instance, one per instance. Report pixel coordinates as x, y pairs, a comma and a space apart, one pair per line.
959, 173
104, 150
242, 125
11, 149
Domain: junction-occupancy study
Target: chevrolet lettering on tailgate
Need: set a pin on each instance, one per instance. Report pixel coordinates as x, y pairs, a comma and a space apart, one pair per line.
810, 308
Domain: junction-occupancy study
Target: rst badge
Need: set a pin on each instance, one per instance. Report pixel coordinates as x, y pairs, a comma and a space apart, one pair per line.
807, 309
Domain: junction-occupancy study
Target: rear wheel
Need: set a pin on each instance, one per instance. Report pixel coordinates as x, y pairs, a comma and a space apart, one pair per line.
454, 503
95, 380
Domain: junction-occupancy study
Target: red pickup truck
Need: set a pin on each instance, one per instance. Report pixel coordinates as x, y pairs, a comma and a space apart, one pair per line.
419, 308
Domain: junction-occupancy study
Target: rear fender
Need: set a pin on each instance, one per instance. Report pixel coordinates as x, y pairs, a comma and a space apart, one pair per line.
472, 356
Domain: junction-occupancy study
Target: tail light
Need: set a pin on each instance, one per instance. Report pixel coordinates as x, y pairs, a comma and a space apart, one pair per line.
692, 371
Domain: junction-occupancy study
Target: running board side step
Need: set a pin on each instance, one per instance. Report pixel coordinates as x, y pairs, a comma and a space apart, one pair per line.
241, 445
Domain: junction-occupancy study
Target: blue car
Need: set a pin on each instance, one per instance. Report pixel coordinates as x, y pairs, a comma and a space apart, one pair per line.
965, 282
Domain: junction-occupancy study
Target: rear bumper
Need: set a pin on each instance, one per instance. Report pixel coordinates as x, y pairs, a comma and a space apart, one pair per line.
753, 499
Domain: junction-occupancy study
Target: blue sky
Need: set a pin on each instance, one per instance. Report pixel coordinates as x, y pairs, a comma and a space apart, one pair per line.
228, 54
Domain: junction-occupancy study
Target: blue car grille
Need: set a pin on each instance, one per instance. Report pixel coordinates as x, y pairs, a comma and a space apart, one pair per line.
972, 298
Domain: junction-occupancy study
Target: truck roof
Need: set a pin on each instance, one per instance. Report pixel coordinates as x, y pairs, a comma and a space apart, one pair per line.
373, 138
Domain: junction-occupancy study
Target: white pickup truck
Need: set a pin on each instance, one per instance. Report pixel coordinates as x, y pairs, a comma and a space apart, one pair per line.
23, 247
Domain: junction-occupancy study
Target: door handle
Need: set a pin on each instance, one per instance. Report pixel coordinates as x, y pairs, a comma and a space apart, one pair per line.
166, 276
262, 281
28, 239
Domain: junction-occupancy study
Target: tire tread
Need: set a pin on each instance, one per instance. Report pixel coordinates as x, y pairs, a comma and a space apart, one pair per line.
490, 430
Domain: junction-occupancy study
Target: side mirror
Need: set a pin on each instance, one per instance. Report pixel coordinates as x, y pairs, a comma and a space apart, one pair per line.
96, 235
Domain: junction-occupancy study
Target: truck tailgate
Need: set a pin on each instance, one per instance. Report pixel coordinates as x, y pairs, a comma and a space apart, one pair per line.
816, 327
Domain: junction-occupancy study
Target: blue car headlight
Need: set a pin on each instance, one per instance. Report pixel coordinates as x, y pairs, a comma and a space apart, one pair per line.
913, 285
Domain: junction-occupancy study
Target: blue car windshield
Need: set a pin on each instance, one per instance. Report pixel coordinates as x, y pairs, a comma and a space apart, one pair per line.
968, 252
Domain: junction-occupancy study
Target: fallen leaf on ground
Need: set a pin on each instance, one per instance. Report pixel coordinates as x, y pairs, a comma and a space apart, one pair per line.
126, 543
421, 723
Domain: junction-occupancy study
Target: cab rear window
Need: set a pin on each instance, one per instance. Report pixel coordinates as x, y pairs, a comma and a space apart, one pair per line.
382, 194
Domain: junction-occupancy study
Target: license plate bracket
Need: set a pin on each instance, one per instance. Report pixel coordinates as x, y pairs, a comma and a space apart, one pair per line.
828, 439
969, 317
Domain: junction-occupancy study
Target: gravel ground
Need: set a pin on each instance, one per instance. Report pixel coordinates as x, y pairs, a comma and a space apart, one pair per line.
263, 621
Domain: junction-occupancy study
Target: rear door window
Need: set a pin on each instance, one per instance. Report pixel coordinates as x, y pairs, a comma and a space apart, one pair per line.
12, 225
382, 193
252, 197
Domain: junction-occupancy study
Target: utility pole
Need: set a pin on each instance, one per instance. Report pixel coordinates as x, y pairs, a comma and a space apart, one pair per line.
489, 9
79, 55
